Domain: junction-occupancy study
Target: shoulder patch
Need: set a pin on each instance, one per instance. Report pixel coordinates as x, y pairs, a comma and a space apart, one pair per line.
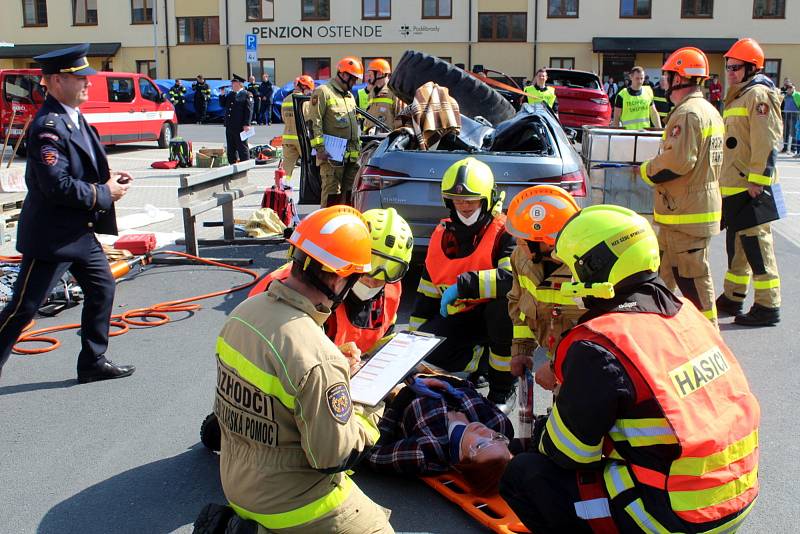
675, 132
339, 402
762, 109
49, 155
50, 136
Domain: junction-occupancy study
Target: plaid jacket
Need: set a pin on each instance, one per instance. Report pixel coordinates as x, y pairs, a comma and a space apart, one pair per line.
413, 429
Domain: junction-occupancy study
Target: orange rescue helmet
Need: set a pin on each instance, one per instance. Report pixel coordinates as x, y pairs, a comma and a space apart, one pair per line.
305, 81
337, 237
381, 66
747, 50
689, 62
352, 66
538, 213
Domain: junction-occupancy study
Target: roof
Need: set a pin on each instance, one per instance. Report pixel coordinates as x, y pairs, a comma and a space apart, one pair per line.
22, 51
660, 44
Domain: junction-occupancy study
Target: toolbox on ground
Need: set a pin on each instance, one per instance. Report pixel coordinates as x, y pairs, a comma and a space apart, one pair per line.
136, 244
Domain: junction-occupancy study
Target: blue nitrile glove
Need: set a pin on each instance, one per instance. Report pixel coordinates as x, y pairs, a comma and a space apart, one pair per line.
448, 297
420, 388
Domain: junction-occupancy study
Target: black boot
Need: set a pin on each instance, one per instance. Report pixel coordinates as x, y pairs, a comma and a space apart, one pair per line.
729, 306
759, 316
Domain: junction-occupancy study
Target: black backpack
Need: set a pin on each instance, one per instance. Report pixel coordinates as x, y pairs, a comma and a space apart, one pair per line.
181, 151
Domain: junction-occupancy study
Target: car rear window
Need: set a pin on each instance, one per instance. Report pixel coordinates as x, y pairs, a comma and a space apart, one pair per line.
574, 80
23, 88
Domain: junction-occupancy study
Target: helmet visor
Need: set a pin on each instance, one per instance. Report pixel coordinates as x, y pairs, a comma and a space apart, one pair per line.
387, 268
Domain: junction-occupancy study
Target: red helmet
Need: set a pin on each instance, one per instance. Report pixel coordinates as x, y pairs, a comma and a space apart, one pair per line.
689, 62
747, 50
352, 66
305, 81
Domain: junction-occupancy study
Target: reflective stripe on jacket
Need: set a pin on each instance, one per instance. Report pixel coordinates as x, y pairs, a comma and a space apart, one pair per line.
707, 414
753, 129
685, 173
444, 271
636, 108
289, 126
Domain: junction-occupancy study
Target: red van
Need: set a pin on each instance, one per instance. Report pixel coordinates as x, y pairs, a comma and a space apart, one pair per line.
123, 107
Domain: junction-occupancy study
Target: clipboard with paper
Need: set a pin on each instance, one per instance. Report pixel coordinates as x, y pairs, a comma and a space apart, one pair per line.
334, 146
390, 365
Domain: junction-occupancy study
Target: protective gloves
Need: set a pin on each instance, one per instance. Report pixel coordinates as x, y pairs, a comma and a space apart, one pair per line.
448, 297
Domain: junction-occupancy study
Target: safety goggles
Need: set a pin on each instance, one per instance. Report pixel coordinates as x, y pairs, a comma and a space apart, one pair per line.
387, 268
484, 443
734, 68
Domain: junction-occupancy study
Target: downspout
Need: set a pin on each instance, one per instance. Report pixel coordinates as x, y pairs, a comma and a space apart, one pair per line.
469, 38
227, 40
166, 32
535, 35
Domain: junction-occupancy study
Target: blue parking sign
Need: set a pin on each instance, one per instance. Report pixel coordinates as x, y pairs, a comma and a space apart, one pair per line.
251, 48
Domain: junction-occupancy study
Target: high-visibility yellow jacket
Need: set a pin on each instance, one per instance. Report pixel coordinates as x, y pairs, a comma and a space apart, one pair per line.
753, 135
685, 174
289, 427
636, 108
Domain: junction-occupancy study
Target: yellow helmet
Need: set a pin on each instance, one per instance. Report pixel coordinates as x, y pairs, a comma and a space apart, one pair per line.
392, 243
603, 245
469, 179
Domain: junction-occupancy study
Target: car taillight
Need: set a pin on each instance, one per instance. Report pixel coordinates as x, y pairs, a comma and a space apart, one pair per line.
375, 179
601, 101
575, 183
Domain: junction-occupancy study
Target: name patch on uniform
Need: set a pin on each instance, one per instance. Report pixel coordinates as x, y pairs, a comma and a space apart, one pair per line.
246, 424
699, 372
49, 155
339, 402
48, 135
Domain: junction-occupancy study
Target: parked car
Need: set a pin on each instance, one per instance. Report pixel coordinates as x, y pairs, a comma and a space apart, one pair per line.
123, 107
531, 148
581, 99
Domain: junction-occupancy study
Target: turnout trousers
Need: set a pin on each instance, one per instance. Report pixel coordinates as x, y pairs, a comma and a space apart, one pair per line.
685, 266
291, 155
337, 182
751, 253
466, 335
36, 279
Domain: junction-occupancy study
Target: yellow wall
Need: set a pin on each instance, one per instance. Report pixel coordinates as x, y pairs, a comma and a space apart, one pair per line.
582, 52
209, 60
503, 5
514, 59
196, 8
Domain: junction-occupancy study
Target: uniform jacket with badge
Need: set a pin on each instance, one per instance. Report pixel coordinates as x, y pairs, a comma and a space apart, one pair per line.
332, 111
289, 427
67, 198
385, 106
686, 172
289, 125
539, 312
238, 110
753, 135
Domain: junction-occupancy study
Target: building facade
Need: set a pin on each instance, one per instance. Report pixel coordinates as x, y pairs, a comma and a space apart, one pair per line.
182, 38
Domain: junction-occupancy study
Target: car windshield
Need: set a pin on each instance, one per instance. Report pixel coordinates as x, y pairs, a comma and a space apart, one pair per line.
575, 80
23, 88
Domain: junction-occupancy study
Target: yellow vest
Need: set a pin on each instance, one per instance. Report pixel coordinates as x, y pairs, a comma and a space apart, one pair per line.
636, 108
548, 96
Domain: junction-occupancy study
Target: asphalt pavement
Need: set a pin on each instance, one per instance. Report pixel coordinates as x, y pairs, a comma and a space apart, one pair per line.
124, 456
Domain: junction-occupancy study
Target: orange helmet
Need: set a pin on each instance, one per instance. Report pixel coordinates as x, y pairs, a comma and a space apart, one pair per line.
336, 237
538, 213
380, 66
305, 81
688, 61
747, 50
352, 66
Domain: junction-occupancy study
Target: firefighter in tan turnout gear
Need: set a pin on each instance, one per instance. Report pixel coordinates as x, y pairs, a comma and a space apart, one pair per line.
382, 102
291, 146
748, 183
332, 111
290, 430
687, 202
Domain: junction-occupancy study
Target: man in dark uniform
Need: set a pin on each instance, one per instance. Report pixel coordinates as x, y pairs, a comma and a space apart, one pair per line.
71, 195
238, 114
253, 89
178, 97
202, 94
265, 90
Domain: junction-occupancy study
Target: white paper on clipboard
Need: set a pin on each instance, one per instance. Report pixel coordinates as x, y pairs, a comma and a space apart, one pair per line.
390, 365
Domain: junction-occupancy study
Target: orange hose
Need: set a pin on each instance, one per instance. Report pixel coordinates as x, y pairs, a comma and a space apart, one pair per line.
123, 320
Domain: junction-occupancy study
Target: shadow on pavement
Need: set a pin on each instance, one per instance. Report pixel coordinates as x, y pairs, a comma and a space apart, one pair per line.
37, 386
161, 496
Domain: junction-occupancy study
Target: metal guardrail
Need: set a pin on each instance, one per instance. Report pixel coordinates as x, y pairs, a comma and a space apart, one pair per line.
791, 130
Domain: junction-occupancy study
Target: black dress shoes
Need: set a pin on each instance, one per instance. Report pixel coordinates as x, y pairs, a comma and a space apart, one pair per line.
104, 371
